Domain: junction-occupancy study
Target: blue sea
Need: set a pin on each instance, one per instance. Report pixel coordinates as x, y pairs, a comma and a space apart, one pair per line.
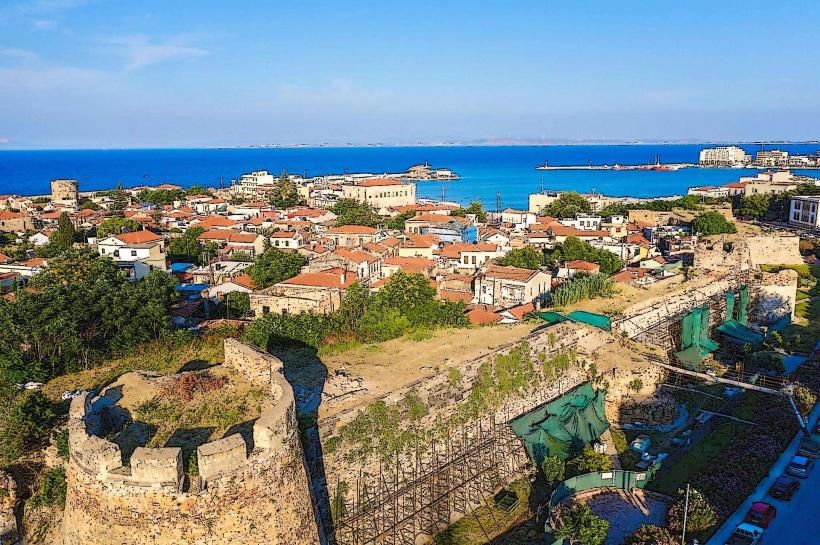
485, 171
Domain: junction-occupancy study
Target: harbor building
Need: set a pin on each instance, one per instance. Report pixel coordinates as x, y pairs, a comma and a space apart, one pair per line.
724, 156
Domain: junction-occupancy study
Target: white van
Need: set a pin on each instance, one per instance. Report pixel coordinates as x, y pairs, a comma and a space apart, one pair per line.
746, 534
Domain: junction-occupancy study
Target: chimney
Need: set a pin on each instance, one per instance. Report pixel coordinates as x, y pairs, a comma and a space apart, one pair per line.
343, 276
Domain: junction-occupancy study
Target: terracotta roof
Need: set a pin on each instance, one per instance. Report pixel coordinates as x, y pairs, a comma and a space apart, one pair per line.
9, 215
228, 235
521, 310
4, 258
34, 262
455, 295
353, 230
482, 315
375, 182
581, 265
411, 264
629, 275
559, 230
430, 218
455, 249
331, 278
637, 238
390, 242
285, 234
217, 221
168, 186
244, 280
356, 256
421, 241
138, 237
509, 273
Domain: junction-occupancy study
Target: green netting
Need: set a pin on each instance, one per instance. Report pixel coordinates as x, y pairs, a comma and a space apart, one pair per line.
705, 341
564, 425
598, 320
730, 306
742, 312
552, 317
738, 333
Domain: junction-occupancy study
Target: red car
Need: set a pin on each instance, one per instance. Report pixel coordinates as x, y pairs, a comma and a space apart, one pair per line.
761, 514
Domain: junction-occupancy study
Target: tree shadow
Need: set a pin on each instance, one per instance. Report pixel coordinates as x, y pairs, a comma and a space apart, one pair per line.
195, 365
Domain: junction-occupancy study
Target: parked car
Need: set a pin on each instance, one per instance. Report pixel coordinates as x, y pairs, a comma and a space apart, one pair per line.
799, 467
640, 443
783, 488
71, 395
761, 514
746, 534
810, 448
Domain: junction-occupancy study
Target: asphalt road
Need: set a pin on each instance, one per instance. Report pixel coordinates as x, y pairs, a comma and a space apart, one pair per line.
797, 520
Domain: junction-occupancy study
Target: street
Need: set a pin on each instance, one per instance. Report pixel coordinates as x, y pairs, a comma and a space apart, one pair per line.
796, 521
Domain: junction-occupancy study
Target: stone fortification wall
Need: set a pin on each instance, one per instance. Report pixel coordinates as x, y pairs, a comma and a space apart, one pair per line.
776, 296
774, 250
250, 493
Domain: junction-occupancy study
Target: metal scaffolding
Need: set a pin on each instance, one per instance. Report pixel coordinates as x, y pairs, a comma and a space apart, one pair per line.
420, 494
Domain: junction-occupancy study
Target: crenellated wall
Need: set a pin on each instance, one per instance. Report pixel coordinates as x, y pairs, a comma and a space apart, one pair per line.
249, 493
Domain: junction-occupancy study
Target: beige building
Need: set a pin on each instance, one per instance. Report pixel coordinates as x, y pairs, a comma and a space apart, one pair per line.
15, 222
539, 201
353, 235
319, 292
724, 156
65, 192
231, 240
510, 286
381, 193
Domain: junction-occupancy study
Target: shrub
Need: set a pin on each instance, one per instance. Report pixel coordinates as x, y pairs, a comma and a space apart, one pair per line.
579, 523
61, 440
804, 399
590, 460
712, 223
699, 517
52, 489
649, 534
582, 287
553, 468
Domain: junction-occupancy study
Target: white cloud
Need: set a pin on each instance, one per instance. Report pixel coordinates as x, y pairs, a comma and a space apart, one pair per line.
141, 51
4, 140
18, 54
44, 24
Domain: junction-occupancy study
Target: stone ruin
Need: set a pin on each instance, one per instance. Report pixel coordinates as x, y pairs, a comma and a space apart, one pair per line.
250, 492
8, 498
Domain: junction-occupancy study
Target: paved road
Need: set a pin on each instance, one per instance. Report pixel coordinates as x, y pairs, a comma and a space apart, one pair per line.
797, 520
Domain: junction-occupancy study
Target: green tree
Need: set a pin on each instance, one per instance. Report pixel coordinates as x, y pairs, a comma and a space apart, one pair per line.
353, 212
476, 207
590, 461
553, 468
116, 226
755, 206
63, 238
119, 199
197, 190
275, 265
567, 205
712, 223
397, 222
160, 197
237, 304
186, 246
580, 524
24, 417
649, 534
699, 517
354, 304
525, 258
285, 194
574, 248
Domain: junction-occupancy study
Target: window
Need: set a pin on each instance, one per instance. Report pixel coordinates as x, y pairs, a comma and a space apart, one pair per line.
133, 253
265, 310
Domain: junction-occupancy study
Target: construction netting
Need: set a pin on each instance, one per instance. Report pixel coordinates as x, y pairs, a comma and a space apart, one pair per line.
735, 328
552, 317
563, 426
695, 341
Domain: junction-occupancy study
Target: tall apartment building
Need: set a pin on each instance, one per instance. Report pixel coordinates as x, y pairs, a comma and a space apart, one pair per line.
251, 184
724, 156
772, 158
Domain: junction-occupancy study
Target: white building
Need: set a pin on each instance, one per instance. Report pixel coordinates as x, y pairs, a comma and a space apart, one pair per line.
253, 183
381, 193
803, 211
584, 222
724, 156
130, 249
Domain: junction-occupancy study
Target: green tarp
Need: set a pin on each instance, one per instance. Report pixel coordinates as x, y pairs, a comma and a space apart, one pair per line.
552, 317
564, 425
744, 306
730, 306
695, 341
598, 320
738, 333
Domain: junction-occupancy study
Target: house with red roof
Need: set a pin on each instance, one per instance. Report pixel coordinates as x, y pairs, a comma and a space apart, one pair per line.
571, 268
467, 256
230, 240
381, 193
138, 252
353, 235
510, 286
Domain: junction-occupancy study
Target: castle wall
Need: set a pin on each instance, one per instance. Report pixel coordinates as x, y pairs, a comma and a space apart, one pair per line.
248, 494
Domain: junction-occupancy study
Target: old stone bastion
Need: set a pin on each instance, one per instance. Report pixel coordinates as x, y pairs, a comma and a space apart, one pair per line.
245, 493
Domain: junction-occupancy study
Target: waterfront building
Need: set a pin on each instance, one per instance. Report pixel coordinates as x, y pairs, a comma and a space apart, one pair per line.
724, 156
538, 201
772, 158
803, 211
381, 193
254, 183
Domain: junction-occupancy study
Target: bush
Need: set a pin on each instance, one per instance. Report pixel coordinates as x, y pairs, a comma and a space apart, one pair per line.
524, 258
61, 440
712, 223
649, 534
579, 523
52, 489
590, 460
23, 419
804, 399
582, 287
699, 517
553, 468
275, 265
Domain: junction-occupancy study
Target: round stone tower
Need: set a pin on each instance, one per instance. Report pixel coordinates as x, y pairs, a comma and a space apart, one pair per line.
248, 491
65, 191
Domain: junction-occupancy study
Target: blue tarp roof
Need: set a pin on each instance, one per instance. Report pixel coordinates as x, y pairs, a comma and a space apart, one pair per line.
188, 288
181, 267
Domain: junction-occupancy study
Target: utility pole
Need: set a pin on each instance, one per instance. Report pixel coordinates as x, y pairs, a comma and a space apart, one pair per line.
498, 202
685, 512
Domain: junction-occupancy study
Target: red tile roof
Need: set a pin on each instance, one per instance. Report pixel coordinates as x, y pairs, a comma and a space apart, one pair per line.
509, 273
331, 278
138, 237
376, 182
482, 315
228, 235
455, 249
411, 264
353, 230
581, 265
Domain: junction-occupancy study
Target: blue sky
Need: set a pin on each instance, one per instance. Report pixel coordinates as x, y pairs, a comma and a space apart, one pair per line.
99, 73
